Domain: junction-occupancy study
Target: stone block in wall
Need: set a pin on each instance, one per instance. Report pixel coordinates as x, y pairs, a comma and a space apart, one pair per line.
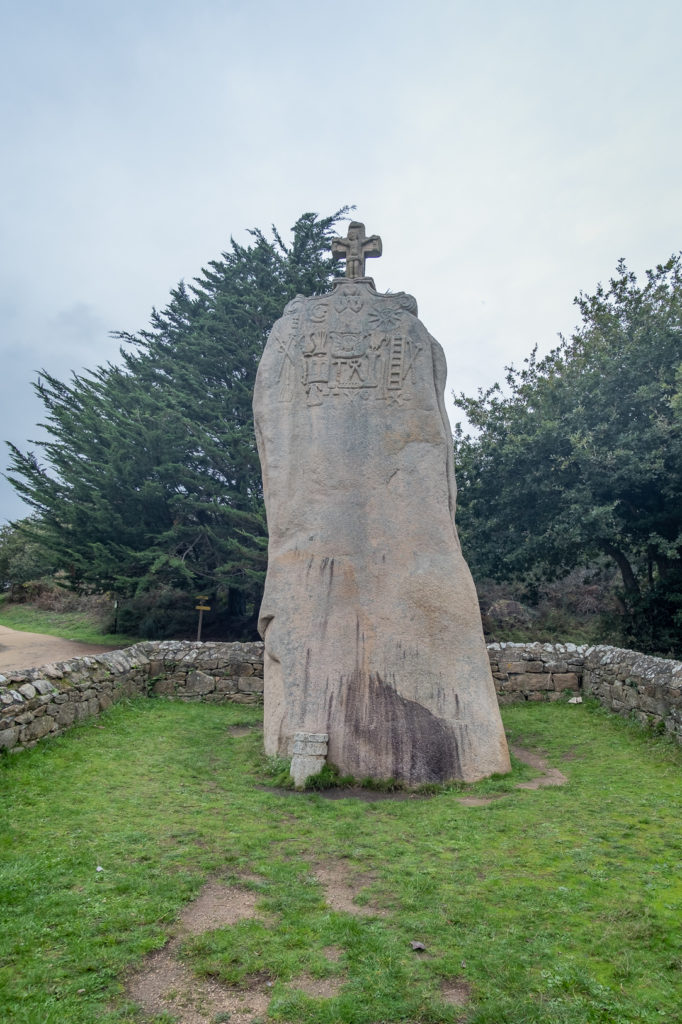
625, 695
165, 687
515, 667
225, 684
199, 683
27, 691
36, 729
250, 684
9, 737
530, 681
559, 667
209, 664
53, 671
566, 681
81, 710
642, 718
132, 688
653, 706
66, 715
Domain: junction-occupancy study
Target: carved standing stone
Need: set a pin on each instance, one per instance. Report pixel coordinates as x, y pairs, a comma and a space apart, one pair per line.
370, 618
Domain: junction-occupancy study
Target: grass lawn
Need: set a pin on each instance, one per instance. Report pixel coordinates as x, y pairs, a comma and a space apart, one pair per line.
555, 906
68, 625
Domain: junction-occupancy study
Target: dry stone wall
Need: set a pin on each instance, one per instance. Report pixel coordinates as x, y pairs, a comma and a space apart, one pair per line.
626, 682
535, 671
649, 689
46, 701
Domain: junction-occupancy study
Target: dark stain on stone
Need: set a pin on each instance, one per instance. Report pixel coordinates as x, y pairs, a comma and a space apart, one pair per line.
358, 658
410, 742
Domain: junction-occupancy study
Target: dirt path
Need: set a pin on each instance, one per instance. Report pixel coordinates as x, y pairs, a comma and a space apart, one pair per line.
29, 650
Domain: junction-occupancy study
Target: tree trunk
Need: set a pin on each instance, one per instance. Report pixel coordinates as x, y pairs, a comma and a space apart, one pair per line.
629, 579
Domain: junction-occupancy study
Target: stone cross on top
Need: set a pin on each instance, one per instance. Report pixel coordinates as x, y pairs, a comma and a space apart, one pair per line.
356, 248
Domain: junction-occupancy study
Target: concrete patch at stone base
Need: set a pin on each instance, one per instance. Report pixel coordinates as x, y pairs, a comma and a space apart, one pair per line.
309, 753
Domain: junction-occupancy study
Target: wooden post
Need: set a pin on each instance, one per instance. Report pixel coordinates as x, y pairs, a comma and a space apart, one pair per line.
201, 608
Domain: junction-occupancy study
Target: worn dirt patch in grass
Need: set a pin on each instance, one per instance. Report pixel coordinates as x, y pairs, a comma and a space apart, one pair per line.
216, 906
368, 796
455, 991
317, 988
242, 730
333, 953
479, 801
549, 776
342, 886
534, 759
165, 984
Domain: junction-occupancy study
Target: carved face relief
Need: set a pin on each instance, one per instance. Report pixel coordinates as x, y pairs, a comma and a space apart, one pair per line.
352, 299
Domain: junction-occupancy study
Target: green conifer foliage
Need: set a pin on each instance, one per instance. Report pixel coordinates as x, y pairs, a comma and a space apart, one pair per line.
149, 484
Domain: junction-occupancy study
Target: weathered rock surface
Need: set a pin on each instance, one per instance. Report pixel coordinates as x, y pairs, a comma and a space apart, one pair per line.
370, 618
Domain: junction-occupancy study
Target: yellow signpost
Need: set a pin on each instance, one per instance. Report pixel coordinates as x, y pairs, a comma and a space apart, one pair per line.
201, 608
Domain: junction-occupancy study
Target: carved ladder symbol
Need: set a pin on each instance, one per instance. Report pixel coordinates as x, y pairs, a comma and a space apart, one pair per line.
395, 366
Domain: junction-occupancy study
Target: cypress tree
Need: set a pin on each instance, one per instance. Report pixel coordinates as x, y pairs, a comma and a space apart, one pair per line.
149, 484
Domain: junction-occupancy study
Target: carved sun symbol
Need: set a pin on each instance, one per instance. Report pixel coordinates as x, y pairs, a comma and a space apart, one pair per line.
383, 318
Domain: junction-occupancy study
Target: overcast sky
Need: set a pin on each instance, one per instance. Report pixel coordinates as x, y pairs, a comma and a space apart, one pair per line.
508, 153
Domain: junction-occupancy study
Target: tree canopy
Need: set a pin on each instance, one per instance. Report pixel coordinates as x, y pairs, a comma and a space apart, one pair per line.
580, 457
149, 482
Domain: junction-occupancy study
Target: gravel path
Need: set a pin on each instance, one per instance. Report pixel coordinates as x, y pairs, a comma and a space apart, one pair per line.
29, 650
